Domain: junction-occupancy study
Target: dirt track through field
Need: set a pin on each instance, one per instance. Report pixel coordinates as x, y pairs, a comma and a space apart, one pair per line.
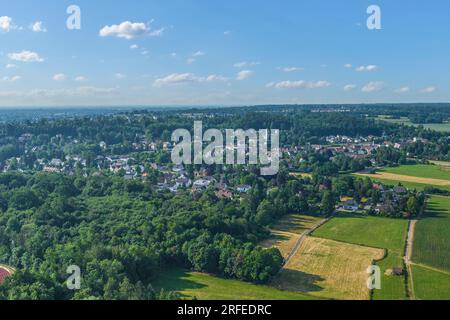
399, 177
302, 238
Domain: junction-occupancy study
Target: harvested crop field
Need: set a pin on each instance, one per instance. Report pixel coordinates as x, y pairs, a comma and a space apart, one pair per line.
329, 269
404, 178
288, 231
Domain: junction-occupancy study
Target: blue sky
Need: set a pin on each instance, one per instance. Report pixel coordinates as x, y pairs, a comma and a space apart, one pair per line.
203, 52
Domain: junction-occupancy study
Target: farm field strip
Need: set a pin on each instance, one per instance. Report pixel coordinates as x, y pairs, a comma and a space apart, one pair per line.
430, 284
432, 236
375, 232
404, 178
329, 269
288, 232
421, 171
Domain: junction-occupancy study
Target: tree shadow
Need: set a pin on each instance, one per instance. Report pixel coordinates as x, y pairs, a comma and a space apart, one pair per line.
177, 280
297, 281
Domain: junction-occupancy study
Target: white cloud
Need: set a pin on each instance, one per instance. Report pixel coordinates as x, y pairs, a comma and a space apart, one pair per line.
80, 79
194, 57
11, 79
402, 90
429, 90
368, 68
198, 54
10, 66
38, 27
245, 64
130, 30
183, 78
348, 66
244, 74
6, 23
59, 77
373, 86
134, 46
301, 84
25, 56
292, 69
350, 87
120, 76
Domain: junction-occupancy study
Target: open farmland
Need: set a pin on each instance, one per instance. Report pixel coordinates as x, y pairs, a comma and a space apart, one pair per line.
202, 286
421, 171
440, 127
404, 178
374, 232
287, 233
432, 236
329, 269
414, 177
430, 284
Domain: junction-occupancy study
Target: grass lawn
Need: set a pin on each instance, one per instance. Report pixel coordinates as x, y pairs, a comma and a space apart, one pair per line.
422, 171
329, 269
430, 285
432, 235
287, 232
374, 232
206, 287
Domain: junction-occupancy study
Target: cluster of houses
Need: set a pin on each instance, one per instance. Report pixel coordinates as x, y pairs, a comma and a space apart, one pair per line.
389, 201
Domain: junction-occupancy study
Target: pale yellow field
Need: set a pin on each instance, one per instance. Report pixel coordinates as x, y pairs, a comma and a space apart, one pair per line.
288, 231
444, 164
398, 177
329, 269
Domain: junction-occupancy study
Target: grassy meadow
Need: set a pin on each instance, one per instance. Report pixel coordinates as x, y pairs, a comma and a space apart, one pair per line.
432, 236
376, 232
194, 285
430, 284
421, 171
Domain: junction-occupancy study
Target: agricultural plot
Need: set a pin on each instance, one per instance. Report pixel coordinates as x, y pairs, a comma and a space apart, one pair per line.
374, 232
201, 286
422, 171
329, 269
414, 177
432, 236
287, 233
430, 284
440, 127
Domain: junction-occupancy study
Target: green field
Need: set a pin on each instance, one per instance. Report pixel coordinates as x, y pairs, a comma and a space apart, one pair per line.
418, 171
375, 232
440, 127
430, 285
201, 286
422, 171
432, 235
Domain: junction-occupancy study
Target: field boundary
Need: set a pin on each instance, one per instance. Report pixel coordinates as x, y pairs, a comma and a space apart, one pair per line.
302, 238
404, 178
